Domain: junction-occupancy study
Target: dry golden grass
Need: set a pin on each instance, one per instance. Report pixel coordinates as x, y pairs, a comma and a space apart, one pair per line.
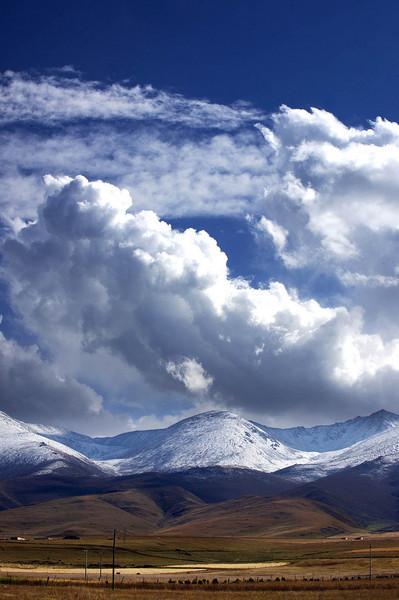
375, 592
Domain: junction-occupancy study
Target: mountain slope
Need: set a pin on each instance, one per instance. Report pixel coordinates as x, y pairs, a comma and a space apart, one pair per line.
84, 515
367, 493
211, 484
23, 452
141, 511
381, 445
325, 438
93, 448
172, 511
254, 516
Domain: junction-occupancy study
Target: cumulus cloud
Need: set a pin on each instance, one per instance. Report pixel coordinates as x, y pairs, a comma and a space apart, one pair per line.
125, 282
129, 306
334, 188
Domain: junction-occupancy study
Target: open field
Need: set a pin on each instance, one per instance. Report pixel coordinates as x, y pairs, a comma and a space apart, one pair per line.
160, 551
184, 568
161, 558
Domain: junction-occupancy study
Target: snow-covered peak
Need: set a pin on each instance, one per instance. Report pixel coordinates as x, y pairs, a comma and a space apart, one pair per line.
384, 445
8, 425
24, 452
215, 438
325, 438
382, 417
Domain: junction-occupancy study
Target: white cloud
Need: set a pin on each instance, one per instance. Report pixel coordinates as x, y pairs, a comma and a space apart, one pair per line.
176, 175
355, 279
126, 283
106, 286
191, 373
266, 228
54, 99
333, 188
277, 233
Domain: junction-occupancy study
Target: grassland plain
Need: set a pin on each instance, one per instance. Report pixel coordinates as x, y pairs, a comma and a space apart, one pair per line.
158, 551
375, 590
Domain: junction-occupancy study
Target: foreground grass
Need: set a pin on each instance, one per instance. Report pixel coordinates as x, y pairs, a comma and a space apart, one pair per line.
374, 592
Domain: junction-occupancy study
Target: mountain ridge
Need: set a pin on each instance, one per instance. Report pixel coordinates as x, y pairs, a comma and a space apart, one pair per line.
207, 440
336, 436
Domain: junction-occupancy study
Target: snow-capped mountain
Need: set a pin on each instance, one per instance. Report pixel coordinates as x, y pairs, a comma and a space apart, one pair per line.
215, 438
24, 452
383, 445
324, 438
321, 438
212, 439
208, 440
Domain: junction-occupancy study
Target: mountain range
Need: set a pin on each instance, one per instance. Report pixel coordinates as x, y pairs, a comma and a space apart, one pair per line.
213, 473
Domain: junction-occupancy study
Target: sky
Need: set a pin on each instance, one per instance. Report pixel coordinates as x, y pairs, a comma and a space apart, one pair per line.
198, 210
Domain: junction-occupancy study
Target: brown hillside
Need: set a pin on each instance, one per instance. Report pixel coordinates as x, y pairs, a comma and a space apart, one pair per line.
172, 511
254, 516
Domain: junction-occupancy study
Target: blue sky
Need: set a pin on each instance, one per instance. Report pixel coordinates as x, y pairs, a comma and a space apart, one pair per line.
280, 302
341, 56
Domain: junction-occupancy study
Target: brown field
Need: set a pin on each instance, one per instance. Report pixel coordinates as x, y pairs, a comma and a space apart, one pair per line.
160, 551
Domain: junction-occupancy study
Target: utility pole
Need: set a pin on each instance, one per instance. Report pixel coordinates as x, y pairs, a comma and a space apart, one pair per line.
85, 551
113, 560
370, 562
101, 564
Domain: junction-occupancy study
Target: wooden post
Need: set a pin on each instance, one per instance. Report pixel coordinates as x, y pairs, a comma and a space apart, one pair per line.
113, 560
370, 562
85, 551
